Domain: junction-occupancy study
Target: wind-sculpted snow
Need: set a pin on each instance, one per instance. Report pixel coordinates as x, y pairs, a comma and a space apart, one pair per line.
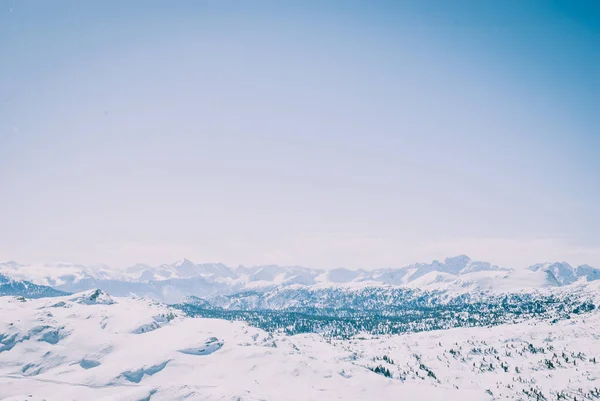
157, 322
136, 376
211, 345
88, 363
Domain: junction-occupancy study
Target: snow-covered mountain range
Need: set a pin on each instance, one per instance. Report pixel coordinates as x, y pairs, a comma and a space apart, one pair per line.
452, 330
173, 282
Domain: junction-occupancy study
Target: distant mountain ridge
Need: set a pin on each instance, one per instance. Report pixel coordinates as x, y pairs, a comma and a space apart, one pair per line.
173, 282
9, 286
565, 274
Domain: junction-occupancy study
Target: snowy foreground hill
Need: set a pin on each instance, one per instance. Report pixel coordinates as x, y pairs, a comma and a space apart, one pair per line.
91, 346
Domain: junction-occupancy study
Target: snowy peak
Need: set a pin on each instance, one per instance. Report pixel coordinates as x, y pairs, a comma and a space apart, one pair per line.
181, 269
590, 273
456, 264
565, 274
94, 297
267, 275
186, 268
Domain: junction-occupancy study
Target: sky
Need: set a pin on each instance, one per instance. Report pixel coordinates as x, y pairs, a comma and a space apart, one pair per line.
326, 134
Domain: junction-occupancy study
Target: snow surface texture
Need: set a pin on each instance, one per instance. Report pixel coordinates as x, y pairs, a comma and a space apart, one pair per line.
90, 346
94, 346
172, 283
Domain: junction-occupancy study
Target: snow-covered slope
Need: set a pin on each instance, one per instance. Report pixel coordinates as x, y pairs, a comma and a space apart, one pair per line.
93, 346
173, 282
534, 360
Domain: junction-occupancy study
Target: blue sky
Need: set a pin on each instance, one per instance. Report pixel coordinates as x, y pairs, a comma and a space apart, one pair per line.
327, 134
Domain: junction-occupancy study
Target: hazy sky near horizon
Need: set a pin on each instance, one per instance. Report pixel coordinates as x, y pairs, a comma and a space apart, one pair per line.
326, 134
